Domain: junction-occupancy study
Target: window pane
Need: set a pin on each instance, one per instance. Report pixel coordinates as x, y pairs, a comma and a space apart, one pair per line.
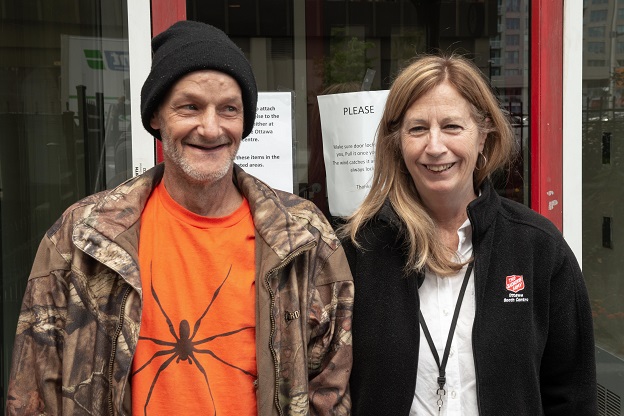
512, 57
328, 46
512, 40
513, 5
596, 62
596, 32
512, 23
596, 47
598, 15
603, 199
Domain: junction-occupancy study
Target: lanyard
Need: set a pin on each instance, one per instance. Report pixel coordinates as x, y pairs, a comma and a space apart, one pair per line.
442, 366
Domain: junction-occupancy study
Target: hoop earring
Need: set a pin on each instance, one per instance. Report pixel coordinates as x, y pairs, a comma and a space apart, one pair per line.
484, 161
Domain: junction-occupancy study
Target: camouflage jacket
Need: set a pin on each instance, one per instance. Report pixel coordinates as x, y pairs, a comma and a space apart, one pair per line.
81, 314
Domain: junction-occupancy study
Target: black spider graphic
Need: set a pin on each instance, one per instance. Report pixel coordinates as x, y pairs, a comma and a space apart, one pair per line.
185, 347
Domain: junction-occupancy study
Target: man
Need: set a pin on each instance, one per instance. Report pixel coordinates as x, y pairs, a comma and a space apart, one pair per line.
193, 288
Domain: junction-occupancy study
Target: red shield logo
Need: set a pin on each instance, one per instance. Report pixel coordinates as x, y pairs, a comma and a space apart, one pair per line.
514, 283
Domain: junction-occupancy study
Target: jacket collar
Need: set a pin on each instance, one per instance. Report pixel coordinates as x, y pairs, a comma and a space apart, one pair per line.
110, 232
281, 218
388, 215
481, 211
119, 209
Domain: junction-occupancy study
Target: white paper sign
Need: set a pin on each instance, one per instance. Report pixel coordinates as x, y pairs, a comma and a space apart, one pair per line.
267, 153
349, 124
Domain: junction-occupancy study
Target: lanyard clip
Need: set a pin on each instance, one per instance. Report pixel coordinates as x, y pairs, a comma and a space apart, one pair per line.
441, 382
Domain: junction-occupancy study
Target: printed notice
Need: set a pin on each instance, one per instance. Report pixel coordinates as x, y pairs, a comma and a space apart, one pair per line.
349, 124
267, 153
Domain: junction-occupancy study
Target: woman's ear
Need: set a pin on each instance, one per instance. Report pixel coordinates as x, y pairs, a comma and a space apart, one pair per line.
487, 125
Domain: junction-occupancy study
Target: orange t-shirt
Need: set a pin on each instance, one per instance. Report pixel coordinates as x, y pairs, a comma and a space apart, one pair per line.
196, 351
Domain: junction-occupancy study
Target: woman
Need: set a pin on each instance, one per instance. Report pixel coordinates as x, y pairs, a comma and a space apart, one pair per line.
443, 264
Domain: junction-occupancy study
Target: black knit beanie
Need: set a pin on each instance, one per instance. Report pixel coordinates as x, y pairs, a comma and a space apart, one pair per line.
189, 46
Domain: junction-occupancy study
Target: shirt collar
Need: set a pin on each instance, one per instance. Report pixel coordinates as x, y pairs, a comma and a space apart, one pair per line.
464, 248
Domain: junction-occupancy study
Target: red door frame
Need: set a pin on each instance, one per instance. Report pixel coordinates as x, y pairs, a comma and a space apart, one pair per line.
546, 89
164, 14
546, 113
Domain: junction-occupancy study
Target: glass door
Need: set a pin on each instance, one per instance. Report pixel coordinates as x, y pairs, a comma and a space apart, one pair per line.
603, 199
64, 117
322, 47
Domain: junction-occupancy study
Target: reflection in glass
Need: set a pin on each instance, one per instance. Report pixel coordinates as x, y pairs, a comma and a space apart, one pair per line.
603, 204
353, 45
64, 117
603, 171
351, 38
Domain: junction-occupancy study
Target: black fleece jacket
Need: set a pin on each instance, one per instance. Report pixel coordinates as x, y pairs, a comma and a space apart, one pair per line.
533, 349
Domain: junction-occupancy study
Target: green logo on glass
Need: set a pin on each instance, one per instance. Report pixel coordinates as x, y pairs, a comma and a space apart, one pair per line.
94, 59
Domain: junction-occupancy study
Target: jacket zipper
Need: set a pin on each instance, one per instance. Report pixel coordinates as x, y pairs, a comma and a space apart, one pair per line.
114, 349
474, 355
271, 272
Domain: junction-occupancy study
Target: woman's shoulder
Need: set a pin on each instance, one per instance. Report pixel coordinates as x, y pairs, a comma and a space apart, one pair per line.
524, 216
516, 217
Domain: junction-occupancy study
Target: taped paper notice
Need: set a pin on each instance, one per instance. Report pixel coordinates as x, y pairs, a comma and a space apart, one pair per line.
267, 153
349, 124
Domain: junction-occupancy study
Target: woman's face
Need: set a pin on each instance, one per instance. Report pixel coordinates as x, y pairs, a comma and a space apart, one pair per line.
440, 142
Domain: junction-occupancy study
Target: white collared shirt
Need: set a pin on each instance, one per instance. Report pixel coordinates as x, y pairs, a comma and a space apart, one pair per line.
438, 297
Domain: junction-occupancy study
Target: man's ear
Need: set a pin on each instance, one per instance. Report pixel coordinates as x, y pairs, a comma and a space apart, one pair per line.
155, 122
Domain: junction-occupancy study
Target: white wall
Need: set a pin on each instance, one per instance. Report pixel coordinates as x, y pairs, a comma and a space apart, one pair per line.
572, 125
139, 49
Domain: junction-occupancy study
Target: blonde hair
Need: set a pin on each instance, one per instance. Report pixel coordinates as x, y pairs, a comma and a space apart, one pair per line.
391, 179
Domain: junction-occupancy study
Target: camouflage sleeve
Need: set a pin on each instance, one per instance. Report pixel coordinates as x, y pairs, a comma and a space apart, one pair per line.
330, 353
35, 378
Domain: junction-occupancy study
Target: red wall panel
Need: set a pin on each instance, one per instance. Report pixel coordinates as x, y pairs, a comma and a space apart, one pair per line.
547, 109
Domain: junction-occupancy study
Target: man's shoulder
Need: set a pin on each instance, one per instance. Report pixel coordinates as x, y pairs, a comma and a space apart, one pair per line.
295, 203
304, 210
76, 212
125, 200
273, 209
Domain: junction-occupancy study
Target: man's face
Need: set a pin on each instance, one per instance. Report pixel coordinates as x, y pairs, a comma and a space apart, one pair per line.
201, 125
